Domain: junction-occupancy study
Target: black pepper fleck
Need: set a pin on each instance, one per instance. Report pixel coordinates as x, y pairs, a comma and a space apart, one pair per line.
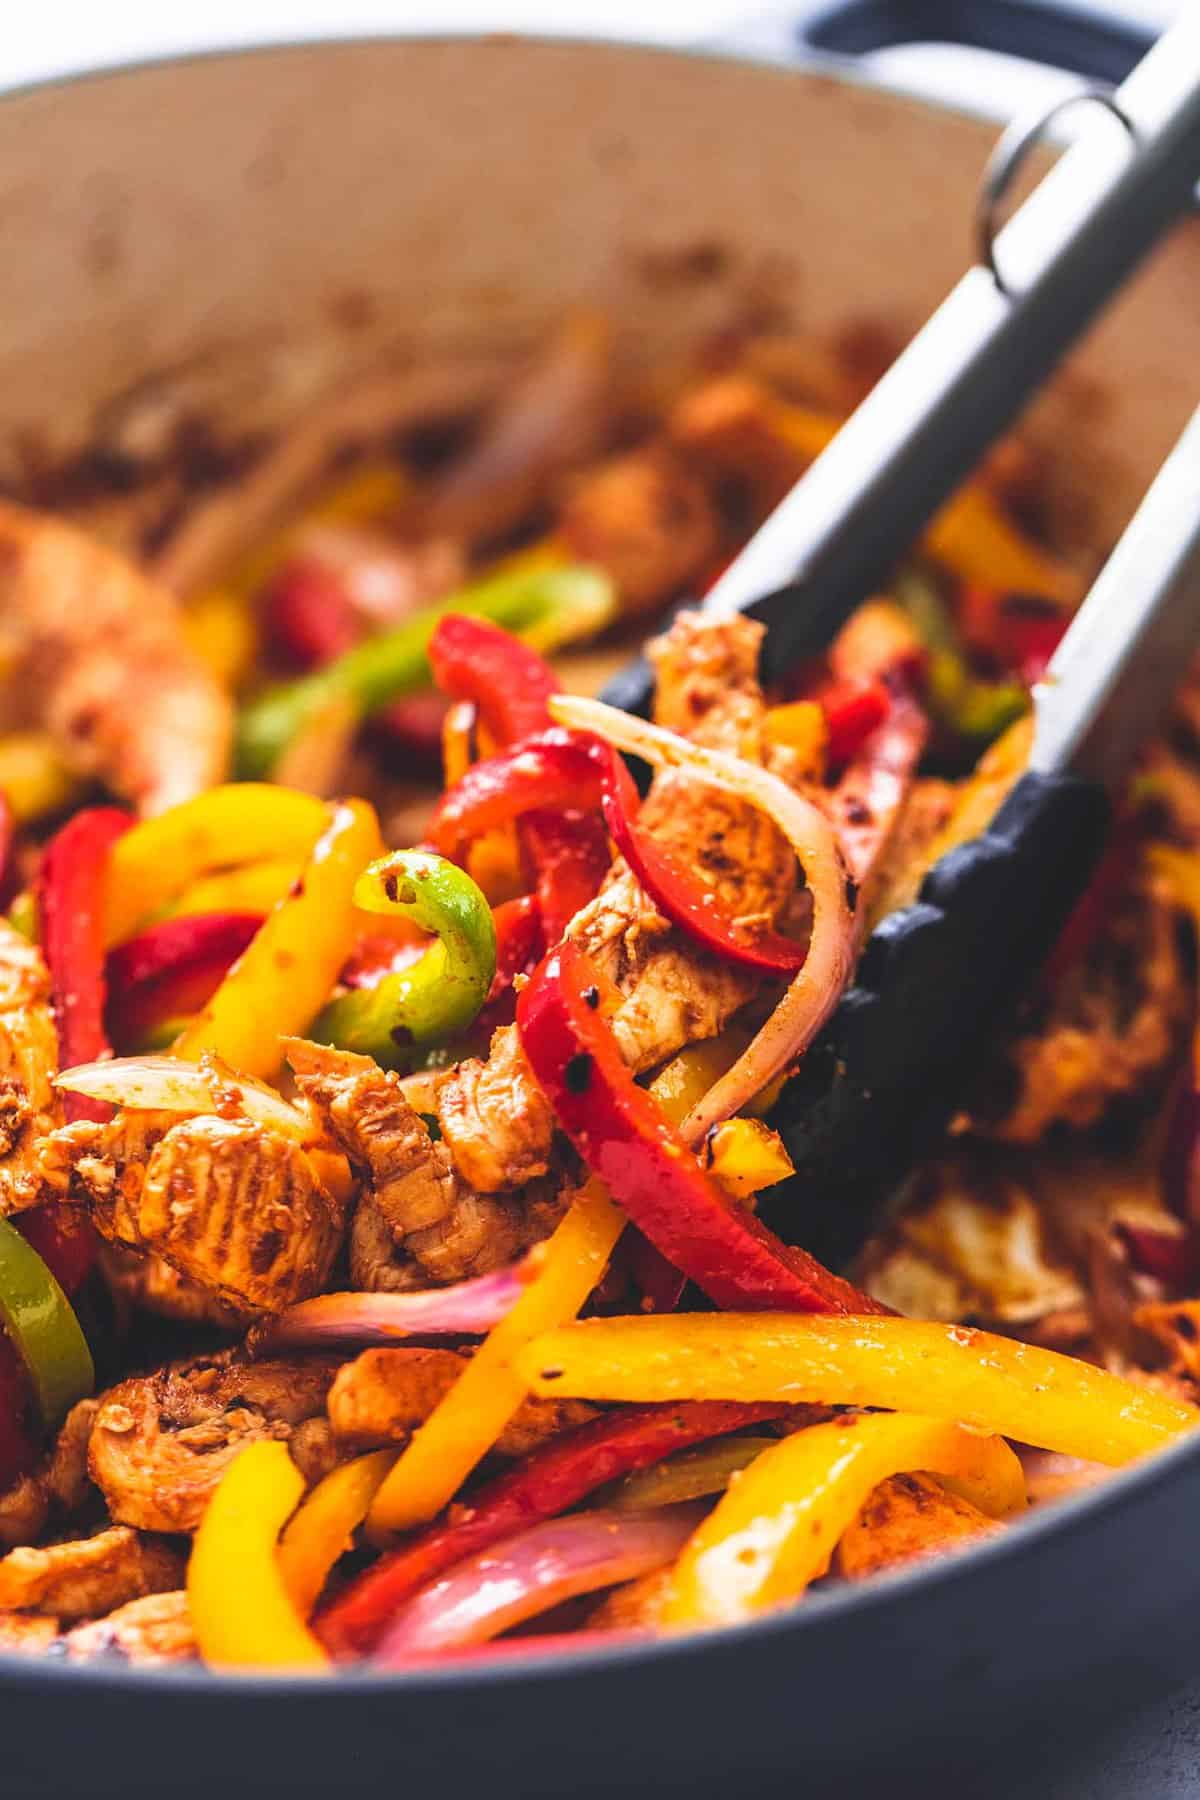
578, 1073
591, 997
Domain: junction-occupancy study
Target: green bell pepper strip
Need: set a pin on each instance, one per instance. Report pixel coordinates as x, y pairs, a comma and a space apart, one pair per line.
552, 603
401, 1018
965, 703
41, 1323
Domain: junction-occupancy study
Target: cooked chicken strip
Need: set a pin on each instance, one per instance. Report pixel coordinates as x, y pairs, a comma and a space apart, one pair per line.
227, 1203
162, 1442
384, 1394
443, 1229
96, 654
905, 1519
92, 1575
27, 1634
140, 1279
57, 1489
154, 1629
648, 520
29, 1103
1107, 1033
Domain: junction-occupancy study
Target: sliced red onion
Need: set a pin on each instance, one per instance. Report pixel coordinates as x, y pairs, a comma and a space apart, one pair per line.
549, 1643
527, 1574
468, 1309
814, 992
1169, 1256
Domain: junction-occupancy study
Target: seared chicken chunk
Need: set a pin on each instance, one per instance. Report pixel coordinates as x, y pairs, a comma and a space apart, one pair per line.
140, 1279
162, 1442
57, 1489
648, 520
383, 1395
415, 1192
29, 1102
88, 1576
155, 1629
905, 1519
227, 1203
96, 655
27, 1634
1106, 1033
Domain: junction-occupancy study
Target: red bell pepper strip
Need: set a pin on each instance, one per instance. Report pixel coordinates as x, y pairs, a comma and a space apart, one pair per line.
624, 1138
64, 1239
409, 728
853, 710
70, 908
564, 770
545, 1484
309, 617
1087, 919
171, 969
658, 1281
570, 857
507, 683
1020, 632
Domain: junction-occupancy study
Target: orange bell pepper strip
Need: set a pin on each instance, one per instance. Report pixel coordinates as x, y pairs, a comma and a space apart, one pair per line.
954, 1372
241, 1611
239, 823
321, 1528
464, 1426
277, 988
779, 1523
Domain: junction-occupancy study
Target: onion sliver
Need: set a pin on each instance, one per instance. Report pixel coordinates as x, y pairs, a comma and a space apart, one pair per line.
164, 1084
814, 992
527, 1574
467, 1309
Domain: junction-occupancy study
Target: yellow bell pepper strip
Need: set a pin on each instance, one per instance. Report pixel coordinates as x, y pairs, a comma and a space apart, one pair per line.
779, 1523
992, 1383
41, 1323
241, 822
254, 888
745, 1156
34, 779
463, 1427
688, 1476
385, 668
323, 1525
277, 988
435, 998
223, 632
242, 1613
800, 726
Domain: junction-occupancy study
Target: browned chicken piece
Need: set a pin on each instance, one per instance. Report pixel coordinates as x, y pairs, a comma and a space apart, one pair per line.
81, 1579
58, 1489
436, 1223
29, 1102
731, 429
162, 1442
227, 1203
315, 1450
139, 1279
1107, 1033
635, 1605
493, 1120
384, 1394
26, 1634
155, 1629
648, 520
905, 1519
96, 654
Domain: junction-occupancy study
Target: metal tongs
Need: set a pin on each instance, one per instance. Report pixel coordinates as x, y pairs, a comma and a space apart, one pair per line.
937, 979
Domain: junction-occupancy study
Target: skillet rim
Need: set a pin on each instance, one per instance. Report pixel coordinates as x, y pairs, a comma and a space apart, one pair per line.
878, 1595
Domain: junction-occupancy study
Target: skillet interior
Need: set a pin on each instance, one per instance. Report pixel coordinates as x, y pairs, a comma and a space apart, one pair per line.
293, 211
